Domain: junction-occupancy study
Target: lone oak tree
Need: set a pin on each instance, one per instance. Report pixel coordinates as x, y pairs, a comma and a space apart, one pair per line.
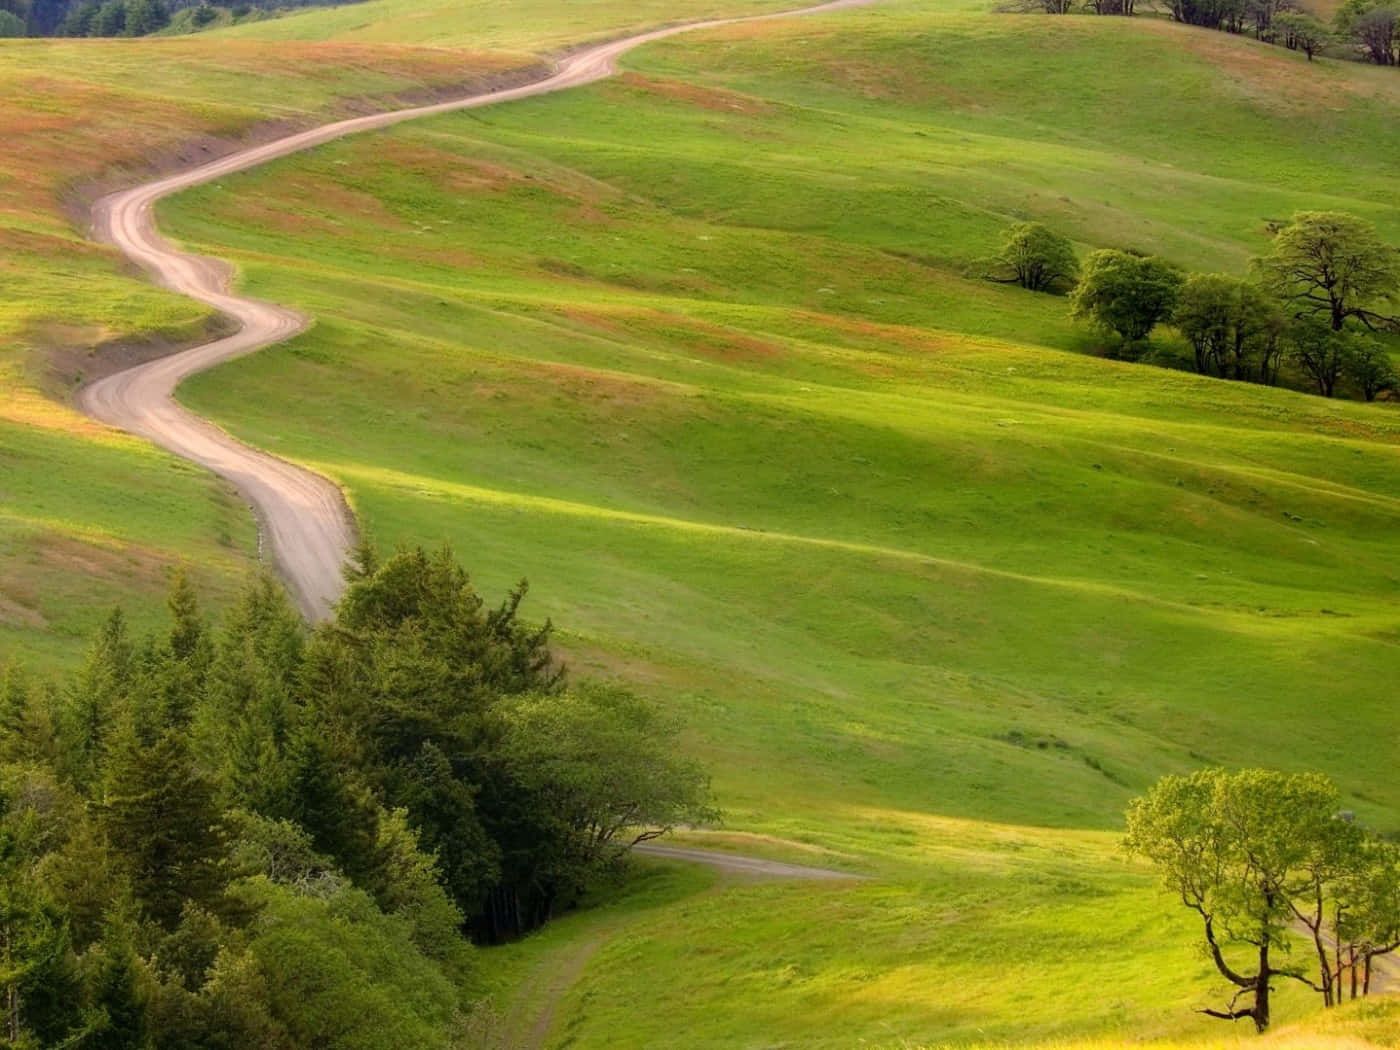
1037, 258
1252, 854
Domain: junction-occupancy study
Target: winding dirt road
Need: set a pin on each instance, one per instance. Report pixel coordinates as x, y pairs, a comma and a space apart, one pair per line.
752, 867
305, 521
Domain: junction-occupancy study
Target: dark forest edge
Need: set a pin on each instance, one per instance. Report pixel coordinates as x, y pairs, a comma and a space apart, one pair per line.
253, 834
134, 18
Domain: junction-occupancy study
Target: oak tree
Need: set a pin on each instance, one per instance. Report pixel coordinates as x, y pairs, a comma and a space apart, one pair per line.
1037, 258
1126, 294
1331, 266
1256, 853
1232, 326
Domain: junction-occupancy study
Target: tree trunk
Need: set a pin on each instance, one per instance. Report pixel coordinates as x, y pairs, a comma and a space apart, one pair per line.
1261, 988
1324, 969
11, 992
1339, 961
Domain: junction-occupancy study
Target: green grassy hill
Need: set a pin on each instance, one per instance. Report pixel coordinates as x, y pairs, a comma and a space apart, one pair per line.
694, 351
698, 352
702, 352
521, 25
88, 518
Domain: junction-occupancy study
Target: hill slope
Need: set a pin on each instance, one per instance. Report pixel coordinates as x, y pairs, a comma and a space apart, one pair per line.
702, 353
697, 351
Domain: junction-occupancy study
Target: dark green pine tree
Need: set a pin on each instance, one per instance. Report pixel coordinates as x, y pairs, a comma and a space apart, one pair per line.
79, 20
188, 628
110, 19
249, 714
38, 992
93, 702
15, 744
145, 16
320, 798
115, 981
175, 672
442, 809
162, 819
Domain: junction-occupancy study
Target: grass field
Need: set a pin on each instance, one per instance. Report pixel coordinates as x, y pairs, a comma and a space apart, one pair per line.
698, 352
82, 115
89, 519
702, 353
521, 25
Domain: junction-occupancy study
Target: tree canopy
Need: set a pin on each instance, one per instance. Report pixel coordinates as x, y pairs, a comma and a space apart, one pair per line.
1255, 852
1332, 267
1126, 294
1373, 27
1232, 325
1037, 258
260, 835
1301, 32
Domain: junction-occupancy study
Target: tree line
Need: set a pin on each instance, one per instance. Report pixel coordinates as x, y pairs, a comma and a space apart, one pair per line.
253, 834
127, 18
1273, 869
1368, 30
1315, 303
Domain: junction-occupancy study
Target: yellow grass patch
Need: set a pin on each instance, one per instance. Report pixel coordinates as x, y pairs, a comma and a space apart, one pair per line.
29, 408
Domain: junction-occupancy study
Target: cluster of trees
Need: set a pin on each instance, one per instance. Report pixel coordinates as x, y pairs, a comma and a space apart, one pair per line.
253, 835
1314, 303
1366, 29
115, 18
128, 18
1266, 859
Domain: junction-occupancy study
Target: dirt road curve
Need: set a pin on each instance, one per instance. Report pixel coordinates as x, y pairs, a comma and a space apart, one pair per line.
304, 519
734, 864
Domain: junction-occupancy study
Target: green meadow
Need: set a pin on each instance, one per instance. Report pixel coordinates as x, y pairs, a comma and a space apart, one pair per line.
90, 519
523, 25
704, 353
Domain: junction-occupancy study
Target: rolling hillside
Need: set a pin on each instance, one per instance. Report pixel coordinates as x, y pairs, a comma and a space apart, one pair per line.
704, 353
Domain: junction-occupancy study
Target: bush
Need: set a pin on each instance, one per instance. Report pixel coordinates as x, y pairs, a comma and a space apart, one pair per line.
1037, 258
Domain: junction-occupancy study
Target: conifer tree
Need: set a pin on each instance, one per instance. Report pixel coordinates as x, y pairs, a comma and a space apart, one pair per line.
187, 627
36, 984
249, 712
14, 713
117, 987
94, 701
161, 817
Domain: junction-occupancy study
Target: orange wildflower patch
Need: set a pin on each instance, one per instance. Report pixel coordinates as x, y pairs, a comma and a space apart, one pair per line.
593, 385
696, 95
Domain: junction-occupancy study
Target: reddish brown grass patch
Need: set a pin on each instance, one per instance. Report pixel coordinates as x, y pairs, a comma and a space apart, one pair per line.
714, 99
68, 555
